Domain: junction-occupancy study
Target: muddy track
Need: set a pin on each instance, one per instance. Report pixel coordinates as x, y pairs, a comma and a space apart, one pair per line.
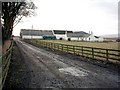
56, 74
53, 69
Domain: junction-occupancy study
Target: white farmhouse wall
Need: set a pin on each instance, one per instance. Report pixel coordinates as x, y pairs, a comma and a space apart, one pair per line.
74, 38
63, 36
36, 37
31, 37
81, 38
100, 39
26, 37
90, 38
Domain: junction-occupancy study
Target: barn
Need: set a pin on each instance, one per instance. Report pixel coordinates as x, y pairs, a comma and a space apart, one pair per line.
93, 38
83, 36
36, 34
76, 35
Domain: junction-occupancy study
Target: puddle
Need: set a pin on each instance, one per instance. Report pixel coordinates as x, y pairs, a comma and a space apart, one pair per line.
73, 71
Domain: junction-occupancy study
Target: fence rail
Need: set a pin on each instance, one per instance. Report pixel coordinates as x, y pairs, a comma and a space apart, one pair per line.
4, 65
107, 55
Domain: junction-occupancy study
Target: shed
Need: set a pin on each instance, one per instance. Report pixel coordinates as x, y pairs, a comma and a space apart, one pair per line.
76, 35
35, 34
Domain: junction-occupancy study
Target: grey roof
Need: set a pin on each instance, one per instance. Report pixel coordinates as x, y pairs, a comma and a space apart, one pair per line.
86, 35
36, 32
96, 36
76, 34
59, 31
69, 31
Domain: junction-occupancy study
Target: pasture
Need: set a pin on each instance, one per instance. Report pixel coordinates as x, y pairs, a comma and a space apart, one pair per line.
104, 45
107, 52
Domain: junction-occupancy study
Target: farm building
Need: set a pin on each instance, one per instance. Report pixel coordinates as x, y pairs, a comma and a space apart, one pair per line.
83, 36
36, 34
91, 37
76, 35
60, 34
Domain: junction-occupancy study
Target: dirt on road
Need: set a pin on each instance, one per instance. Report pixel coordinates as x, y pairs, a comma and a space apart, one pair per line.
33, 67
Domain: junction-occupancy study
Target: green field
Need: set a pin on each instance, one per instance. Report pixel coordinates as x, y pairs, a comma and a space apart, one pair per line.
105, 45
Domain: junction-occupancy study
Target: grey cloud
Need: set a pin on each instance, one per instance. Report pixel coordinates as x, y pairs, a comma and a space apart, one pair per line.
109, 6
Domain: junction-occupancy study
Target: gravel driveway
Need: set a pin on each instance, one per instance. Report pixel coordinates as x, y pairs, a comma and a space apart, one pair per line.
47, 69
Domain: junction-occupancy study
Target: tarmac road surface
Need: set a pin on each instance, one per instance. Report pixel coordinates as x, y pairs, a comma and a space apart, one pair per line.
47, 69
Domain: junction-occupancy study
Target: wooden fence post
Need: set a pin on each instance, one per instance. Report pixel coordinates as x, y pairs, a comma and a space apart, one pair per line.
82, 50
92, 53
40, 43
45, 44
54, 45
51, 46
74, 49
107, 54
67, 48
58, 46
62, 47
119, 54
36, 41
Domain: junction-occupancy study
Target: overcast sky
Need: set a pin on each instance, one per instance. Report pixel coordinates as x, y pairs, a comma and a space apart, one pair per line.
99, 16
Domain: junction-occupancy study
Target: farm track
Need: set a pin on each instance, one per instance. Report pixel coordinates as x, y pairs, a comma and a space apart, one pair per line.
50, 69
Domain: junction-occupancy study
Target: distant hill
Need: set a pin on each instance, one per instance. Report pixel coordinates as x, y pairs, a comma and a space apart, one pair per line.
111, 36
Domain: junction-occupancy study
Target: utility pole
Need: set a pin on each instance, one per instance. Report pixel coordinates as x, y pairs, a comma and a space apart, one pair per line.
32, 27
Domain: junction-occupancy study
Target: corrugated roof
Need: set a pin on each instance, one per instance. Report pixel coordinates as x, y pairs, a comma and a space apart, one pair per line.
59, 31
86, 35
77, 34
36, 32
69, 31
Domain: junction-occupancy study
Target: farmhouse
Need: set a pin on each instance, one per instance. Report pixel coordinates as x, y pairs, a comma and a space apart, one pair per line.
76, 35
36, 34
58, 34
91, 37
83, 36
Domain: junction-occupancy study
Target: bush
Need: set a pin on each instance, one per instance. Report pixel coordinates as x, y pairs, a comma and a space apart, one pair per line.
118, 40
69, 39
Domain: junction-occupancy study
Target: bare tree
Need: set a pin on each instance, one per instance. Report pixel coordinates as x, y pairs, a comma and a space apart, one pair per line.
12, 13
